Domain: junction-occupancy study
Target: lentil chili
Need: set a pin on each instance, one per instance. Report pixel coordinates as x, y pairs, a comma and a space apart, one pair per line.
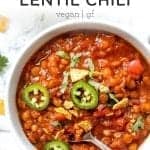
93, 81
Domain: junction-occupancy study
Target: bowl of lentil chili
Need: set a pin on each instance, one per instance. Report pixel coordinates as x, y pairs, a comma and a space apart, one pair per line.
78, 77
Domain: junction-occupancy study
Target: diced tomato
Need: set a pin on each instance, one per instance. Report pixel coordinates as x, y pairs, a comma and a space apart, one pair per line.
135, 67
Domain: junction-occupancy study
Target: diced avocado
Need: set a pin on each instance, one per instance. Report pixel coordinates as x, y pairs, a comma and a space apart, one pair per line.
78, 74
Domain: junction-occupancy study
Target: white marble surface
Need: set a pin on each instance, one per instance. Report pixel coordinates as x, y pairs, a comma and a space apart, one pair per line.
25, 23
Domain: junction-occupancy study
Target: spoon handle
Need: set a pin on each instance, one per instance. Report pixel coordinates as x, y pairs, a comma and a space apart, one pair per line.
99, 144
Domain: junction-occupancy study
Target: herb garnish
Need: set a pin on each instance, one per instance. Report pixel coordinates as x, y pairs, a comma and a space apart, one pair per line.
139, 124
3, 62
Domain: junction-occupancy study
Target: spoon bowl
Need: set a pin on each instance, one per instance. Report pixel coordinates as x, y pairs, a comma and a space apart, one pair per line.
88, 137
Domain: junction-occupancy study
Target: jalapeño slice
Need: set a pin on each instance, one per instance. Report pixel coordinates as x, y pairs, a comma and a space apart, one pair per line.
84, 96
36, 96
56, 145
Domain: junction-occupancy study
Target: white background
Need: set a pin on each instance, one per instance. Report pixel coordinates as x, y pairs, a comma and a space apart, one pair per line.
26, 22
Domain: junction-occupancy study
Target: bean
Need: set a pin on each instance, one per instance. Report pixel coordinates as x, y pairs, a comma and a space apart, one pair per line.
131, 84
117, 143
42, 78
106, 140
118, 134
34, 127
119, 112
31, 137
136, 109
62, 67
104, 44
127, 138
28, 124
43, 138
103, 98
114, 81
91, 148
54, 83
119, 95
39, 131
35, 114
133, 146
44, 64
64, 62
68, 46
54, 70
35, 71
103, 63
116, 63
45, 83
145, 107
57, 102
21, 104
101, 54
107, 73
134, 94
53, 59
146, 80
148, 119
26, 115
107, 132
118, 90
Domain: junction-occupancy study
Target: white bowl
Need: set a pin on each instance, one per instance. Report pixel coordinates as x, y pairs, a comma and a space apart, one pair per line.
35, 44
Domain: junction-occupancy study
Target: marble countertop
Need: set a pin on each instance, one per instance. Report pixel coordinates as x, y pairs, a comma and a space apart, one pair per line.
25, 23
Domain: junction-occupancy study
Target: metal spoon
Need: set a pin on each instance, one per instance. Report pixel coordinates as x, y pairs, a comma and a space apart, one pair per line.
88, 137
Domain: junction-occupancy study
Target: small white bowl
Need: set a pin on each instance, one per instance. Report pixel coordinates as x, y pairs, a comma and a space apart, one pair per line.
40, 40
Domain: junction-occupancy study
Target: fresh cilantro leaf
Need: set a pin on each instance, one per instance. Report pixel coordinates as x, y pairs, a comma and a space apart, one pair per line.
3, 62
139, 124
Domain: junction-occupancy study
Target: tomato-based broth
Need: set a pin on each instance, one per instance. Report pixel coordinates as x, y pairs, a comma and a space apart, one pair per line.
81, 82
